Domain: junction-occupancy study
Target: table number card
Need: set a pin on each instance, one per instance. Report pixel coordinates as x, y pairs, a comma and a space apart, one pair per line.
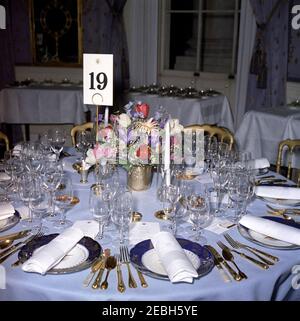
98, 77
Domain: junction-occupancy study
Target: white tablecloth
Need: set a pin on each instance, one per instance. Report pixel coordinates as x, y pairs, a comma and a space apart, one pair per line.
261, 132
42, 105
214, 110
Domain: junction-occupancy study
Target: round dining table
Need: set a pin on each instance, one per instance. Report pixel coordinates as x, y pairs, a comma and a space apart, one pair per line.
279, 282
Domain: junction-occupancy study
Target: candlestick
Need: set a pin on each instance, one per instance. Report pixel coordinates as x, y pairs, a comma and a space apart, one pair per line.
167, 154
106, 117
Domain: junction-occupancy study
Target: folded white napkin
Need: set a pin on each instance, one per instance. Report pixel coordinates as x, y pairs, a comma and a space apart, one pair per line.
6, 211
288, 193
177, 265
272, 229
58, 248
258, 163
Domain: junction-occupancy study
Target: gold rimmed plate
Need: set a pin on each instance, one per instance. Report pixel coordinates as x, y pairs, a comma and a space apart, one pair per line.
10, 222
78, 259
144, 258
266, 241
279, 201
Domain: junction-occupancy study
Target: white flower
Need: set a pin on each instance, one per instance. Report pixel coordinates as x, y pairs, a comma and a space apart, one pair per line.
90, 159
124, 120
176, 128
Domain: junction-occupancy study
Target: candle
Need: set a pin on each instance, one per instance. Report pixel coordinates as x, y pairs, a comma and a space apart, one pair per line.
106, 115
167, 154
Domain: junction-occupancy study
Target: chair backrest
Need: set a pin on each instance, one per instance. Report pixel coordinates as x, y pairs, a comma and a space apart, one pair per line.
223, 134
78, 129
5, 139
291, 145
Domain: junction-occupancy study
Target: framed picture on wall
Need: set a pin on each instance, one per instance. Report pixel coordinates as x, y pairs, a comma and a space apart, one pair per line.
56, 32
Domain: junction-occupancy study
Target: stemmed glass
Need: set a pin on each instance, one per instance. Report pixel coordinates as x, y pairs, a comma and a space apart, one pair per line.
33, 157
14, 167
29, 191
199, 215
240, 191
170, 197
39, 205
51, 178
57, 139
122, 213
5, 181
220, 177
63, 199
84, 142
100, 211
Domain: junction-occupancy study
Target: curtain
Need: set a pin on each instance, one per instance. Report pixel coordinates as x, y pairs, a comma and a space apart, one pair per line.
7, 60
143, 43
21, 31
7, 66
268, 70
246, 45
104, 33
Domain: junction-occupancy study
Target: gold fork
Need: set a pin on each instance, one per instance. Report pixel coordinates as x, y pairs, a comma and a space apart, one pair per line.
284, 210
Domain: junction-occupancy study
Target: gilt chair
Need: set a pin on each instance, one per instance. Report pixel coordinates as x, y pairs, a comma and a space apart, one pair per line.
291, 145
4, 138
78, 129
221, 133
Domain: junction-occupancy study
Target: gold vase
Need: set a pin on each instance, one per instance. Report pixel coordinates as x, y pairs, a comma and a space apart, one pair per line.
139, 178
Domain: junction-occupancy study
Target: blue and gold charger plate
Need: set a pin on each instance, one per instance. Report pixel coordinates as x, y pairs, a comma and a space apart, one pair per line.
90, 248
203, 256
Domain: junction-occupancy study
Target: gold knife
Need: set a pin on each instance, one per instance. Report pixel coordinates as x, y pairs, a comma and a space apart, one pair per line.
142, 279
95, 267
220, 260
15, 236
96, 284
223, 273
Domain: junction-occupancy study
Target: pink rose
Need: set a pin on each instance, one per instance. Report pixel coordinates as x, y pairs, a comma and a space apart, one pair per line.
143, 109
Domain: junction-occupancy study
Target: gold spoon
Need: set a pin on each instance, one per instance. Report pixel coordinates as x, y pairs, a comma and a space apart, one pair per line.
110, 264
6, 243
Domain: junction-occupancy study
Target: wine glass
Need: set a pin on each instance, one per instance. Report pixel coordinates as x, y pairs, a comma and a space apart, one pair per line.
240, 191
39, 206
57, 139
84, 142
14, 167
199, 215
63, 199
5, 181
170, 197
220, 177
51, 177
100, 211
33, 158
29, 191
122, 213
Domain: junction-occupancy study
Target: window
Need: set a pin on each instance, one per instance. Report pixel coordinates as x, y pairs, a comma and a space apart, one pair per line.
200, 35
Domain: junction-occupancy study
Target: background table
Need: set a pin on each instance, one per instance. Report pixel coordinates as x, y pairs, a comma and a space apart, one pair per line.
261, 132
42, 105
213, 110
273, 284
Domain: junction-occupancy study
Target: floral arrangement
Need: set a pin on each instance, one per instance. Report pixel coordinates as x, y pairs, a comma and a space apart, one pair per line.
134, 139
